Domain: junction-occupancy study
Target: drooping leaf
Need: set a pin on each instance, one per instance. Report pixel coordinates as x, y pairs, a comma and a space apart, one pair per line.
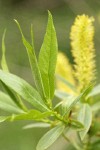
50, 137
95, 91
37, 125
24, 89
7, 104
48, 57
33, 63
30, 115
85, 117
3, 59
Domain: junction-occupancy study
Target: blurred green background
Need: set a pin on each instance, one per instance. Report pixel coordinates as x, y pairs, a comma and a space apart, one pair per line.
28, 12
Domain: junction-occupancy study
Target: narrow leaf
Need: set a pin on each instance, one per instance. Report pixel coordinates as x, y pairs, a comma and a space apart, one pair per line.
76, 125
33, 63
30, 115
15, 97
50, 137
7, 104
79, 98
3, 59
48, 57
24, 89
85, 117
37, 125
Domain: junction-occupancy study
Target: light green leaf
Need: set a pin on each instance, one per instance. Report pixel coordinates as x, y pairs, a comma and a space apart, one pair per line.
7, 104
30, 115
85, 117
48, 57
33, 63
15, 97
3, 59
37, 125
50, 137
95, 91
24, 89
76, 125
77, 99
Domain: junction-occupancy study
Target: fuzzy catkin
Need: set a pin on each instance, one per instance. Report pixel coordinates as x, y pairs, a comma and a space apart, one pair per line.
82, 34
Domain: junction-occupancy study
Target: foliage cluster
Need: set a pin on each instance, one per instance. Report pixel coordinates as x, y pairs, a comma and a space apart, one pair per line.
77, 108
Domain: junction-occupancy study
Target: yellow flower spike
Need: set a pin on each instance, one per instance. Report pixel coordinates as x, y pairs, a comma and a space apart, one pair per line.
82, 34
64, 69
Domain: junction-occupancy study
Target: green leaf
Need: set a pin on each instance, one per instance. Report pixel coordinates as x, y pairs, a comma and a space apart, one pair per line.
85, 117
79, 98
15, 97
24, 89
95, 91
3, 59
30, 115
33, 63
48, 57
76, 125
37, 125
7, 104
50, 137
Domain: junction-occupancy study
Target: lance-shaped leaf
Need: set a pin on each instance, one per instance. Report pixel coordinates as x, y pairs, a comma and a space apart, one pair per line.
37, 125
33, 63
48, 57
30, 115
7, 104
85, 117
24, 89
3, 59
50, 137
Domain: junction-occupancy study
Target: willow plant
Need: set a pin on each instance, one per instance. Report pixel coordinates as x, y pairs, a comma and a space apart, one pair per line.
76, 110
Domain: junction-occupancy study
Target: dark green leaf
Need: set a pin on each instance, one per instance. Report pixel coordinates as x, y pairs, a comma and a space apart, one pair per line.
50, 137
48, 57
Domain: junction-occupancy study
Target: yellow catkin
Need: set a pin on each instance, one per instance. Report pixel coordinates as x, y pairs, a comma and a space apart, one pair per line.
82, 34
65, 70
